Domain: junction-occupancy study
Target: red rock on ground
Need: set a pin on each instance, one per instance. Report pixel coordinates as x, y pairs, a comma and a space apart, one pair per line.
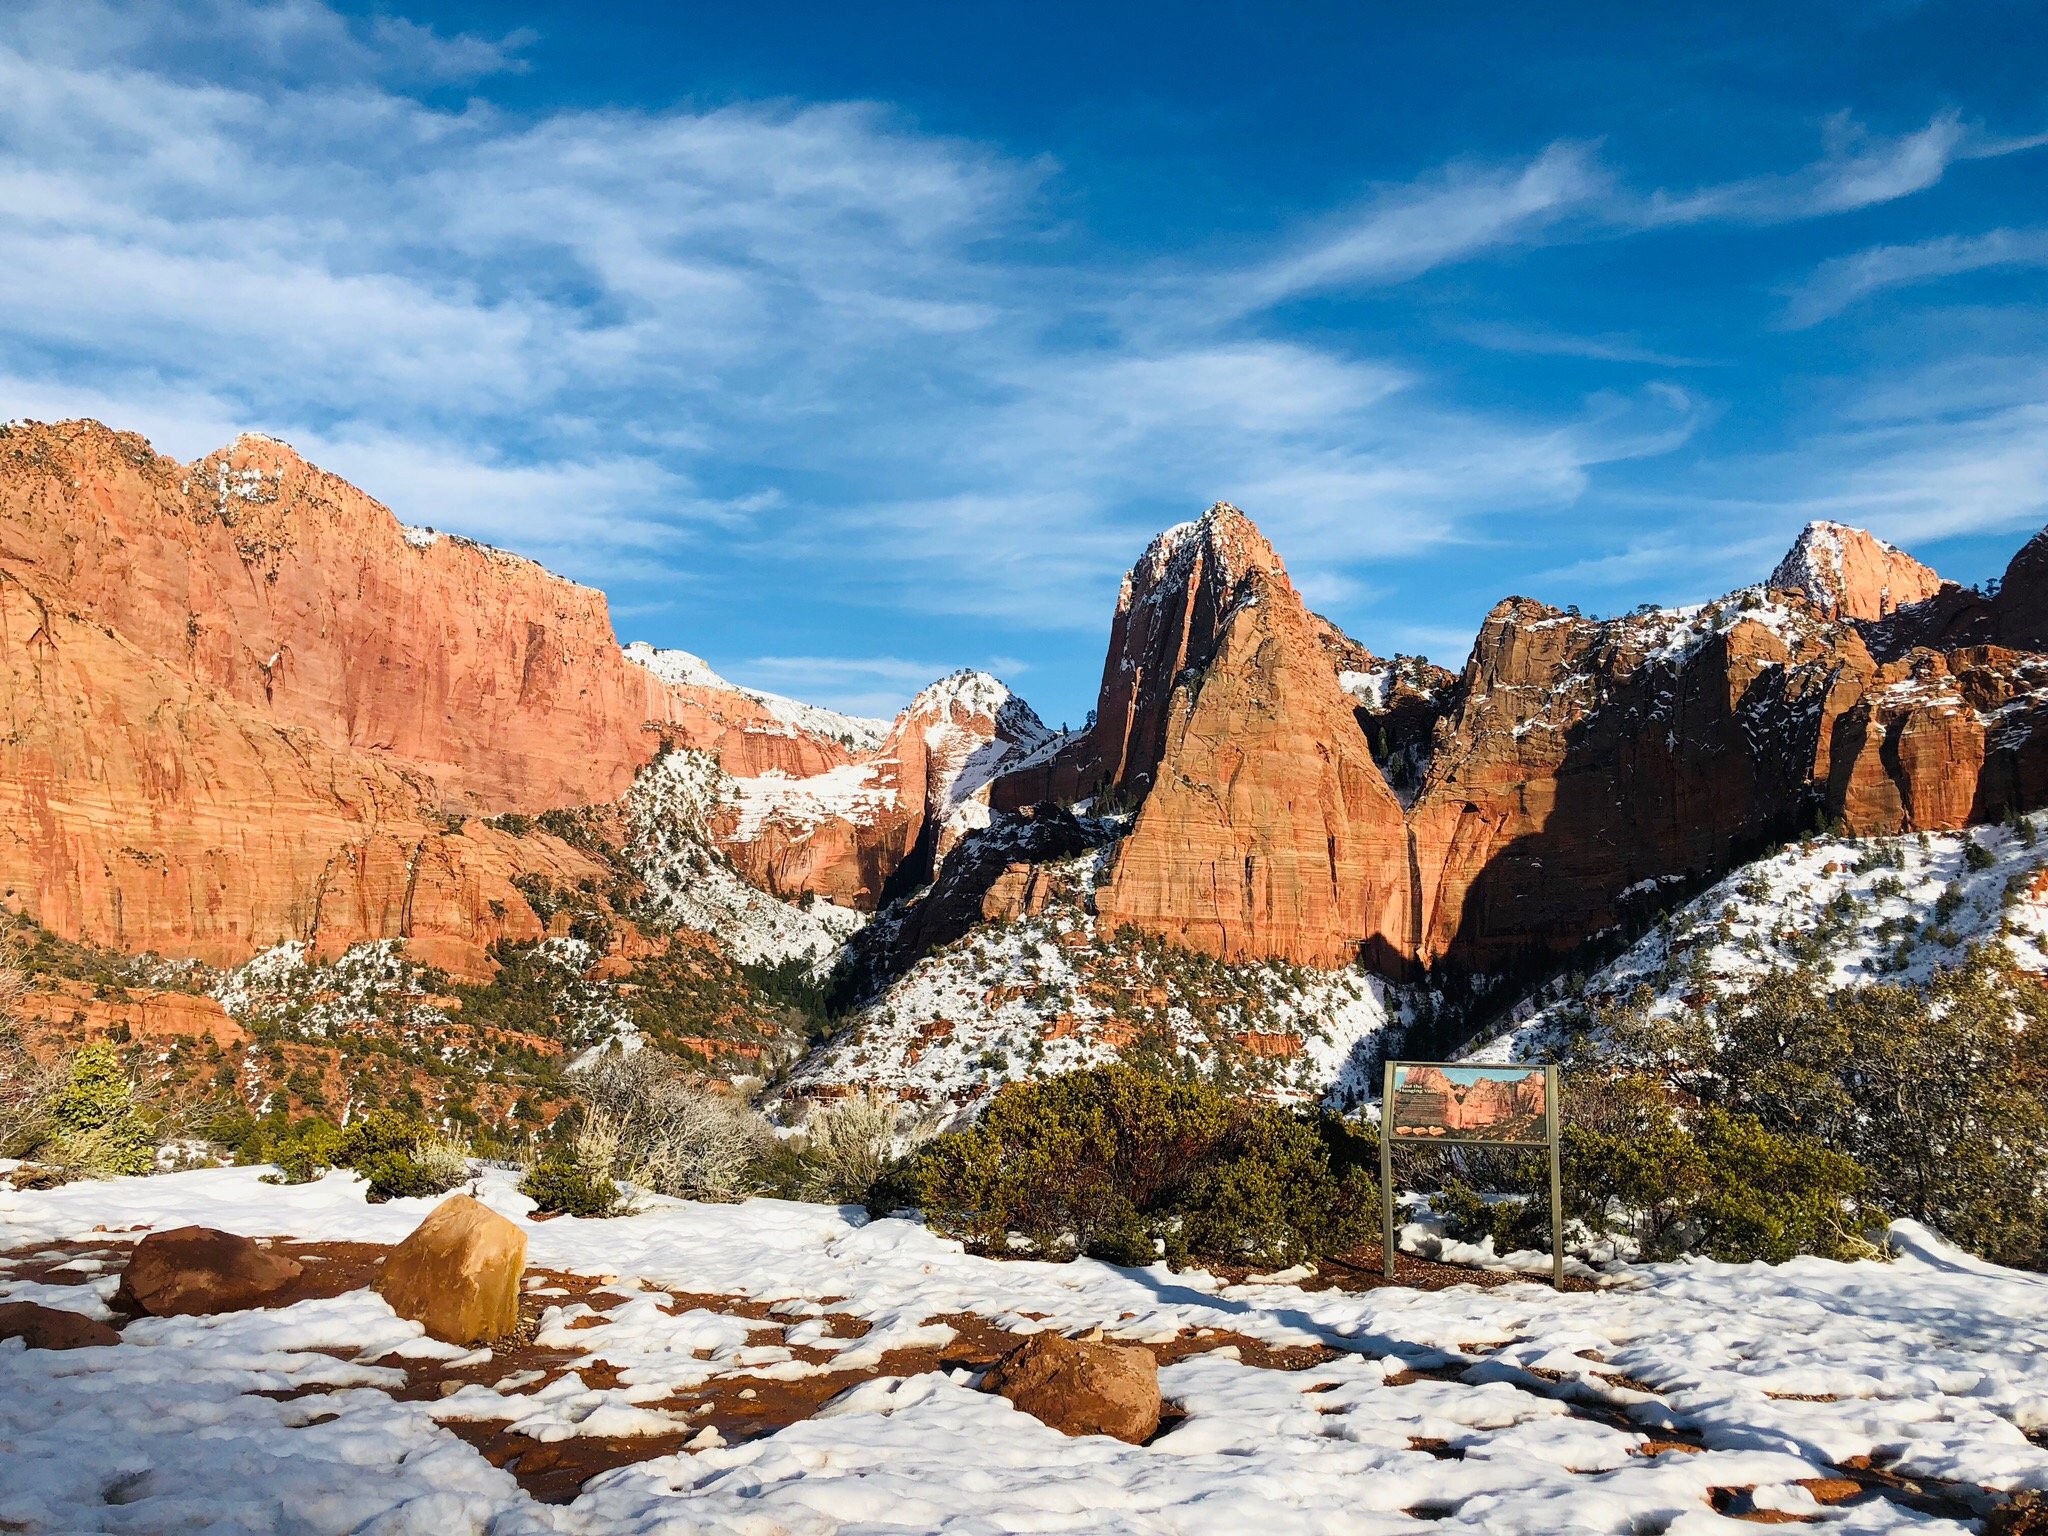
1082, 1387
43, 1327
189, 1271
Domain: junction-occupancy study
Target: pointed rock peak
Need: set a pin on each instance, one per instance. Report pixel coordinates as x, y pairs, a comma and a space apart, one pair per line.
1219, 549
1851, 574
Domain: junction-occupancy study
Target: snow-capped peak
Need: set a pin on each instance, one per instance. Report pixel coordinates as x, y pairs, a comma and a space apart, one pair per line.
1852, 573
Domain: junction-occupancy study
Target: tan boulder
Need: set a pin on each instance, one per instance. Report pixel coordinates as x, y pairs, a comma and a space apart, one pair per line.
190, 1271
41, 1327
458, 1274
1082, 1386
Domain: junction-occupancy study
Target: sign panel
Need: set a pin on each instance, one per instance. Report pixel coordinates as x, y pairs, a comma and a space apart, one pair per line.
1505, 1105
1440, 1103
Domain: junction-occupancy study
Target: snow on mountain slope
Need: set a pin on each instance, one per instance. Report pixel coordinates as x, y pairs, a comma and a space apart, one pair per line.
1052, 992
682, 669
976, 729
1638, 1406
693, 884
1881, 909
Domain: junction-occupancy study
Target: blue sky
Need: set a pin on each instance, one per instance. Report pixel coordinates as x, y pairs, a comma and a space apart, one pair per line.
848, 344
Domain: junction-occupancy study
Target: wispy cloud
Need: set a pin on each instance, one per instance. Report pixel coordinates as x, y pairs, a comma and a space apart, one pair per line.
1401, 231
1842, 281
1545, 341
1857, 169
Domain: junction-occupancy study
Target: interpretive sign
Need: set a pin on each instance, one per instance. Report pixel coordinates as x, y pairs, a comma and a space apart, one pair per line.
1435, 1103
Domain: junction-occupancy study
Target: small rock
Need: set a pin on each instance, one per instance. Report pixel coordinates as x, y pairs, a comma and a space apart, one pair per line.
189, 1271
458, 1274
52, 1327
1082, 1387
1831, 1490
2025, 1514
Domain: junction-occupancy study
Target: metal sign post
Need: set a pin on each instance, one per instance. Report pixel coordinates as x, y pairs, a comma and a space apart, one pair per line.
1445, 1104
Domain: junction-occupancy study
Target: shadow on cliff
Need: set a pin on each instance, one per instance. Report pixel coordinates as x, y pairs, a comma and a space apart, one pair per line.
1659, 793
958, 901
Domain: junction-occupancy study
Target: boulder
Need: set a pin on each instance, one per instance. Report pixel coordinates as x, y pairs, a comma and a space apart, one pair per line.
187, 1271
1082, 1386
43, 1327
458, 1274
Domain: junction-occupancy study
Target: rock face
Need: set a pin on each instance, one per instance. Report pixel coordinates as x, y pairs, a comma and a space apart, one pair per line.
1268, 831
880, 826
1170, 617
1576, 774
188, 1271
458, 1274
1082, 1387
41, 1327
243, 704
1847, 574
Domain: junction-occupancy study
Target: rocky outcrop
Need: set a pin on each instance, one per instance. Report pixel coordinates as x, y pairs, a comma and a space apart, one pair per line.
245, 705
1017, 867
2021, 606
1082, 1386
1269, 831
457, 1274
142, 810
1576, 775
1169, 620
880, 827
1847, 574
189, 1271
1940, 741
281, 588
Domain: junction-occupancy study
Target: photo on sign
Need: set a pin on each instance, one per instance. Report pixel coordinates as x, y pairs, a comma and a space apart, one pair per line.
1467, 1103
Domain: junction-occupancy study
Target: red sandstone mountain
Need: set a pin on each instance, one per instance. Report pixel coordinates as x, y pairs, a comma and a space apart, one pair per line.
1576, 772
245, 704
882, 824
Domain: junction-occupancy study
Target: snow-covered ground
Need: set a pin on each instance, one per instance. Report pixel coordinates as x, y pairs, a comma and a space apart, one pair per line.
1502, 1410
1879, 909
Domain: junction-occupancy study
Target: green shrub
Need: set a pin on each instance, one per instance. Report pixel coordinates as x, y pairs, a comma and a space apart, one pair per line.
561, 1183
1976, 855
1663, 1177
99, 1129
305, 1150
402, 1158
1126, 1166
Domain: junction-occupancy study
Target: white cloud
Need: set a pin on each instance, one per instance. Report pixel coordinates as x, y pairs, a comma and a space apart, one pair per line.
1857, 169
1409, 229
1838, 283
863, 354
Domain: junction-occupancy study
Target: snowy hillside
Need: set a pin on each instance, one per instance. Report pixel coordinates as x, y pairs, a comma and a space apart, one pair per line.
1052, 992
771, 1367
1857, 909
694, 885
